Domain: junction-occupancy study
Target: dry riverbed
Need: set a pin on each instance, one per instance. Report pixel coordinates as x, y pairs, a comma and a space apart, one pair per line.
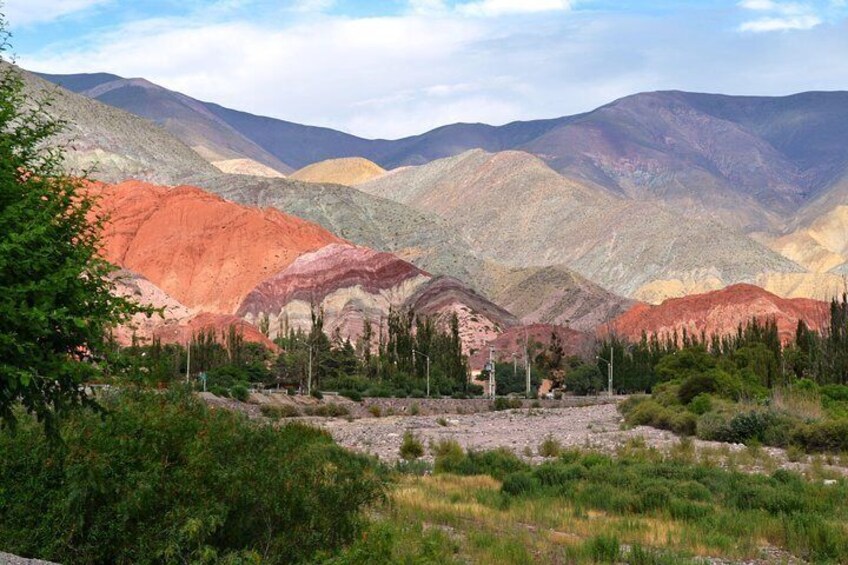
598, 428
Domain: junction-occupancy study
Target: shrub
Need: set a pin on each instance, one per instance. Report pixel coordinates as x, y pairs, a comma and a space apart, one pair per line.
557, 474
448, 456
442, 422
240, 393
747, 426
354, 395
474, 390
828, 435
701, 404
684, 423
645, 413
713, 426
277, 412
498, 463
159, 477
694, 386
520, 483
550, 447
317, 394
584, 380
603, 549
414, 410
375, 411
411, 447
503, 403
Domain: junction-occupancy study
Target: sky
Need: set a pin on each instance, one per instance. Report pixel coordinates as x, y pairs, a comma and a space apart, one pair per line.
400, 67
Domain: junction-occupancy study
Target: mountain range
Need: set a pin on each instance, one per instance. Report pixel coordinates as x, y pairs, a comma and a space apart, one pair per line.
571, 220
754, 160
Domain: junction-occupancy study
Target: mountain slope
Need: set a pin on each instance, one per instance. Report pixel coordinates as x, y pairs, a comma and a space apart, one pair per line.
348, 171
426, 241
117, 144
184, 117
516, 210
203, 251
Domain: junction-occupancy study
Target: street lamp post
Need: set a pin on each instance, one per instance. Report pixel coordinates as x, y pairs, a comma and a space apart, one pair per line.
427, 357
609, 369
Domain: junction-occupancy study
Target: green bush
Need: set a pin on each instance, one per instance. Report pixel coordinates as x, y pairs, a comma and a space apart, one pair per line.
504, 403
240, 393
411, 447
584, 380
352, 394
550, 447
827, 435
694, 386
448, 456
603, 549
162, 478
713, 426
746, 426
497, 463
701, 404
520, 483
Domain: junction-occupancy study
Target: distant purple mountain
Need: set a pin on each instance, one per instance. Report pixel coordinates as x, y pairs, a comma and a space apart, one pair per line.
749, 161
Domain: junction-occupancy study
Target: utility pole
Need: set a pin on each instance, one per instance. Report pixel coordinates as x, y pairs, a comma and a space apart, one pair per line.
527, 363
609, 363
492, 371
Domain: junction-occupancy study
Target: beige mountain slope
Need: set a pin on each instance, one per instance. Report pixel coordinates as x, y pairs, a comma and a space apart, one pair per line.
428, 242
820, 244
115, 143
515, 210
349, 171
553, 295
247, 167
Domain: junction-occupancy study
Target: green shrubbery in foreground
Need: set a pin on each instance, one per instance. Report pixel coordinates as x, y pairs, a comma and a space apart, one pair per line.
807, 417
162, 478
728, 513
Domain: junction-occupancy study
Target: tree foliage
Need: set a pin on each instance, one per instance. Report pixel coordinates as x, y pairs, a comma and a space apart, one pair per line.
56, 300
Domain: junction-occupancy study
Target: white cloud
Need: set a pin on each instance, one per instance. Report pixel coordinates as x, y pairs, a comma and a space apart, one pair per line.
400, 75
785, 23
505, 7
779, 16
28, 12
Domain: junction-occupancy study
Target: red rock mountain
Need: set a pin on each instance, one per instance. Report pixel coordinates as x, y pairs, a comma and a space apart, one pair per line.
719, 312
213, 264
205, 252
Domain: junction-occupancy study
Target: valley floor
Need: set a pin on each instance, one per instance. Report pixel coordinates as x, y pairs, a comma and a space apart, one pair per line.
522, 431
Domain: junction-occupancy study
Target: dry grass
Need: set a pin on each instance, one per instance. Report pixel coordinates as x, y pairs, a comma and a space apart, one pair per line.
806, 405
541, 529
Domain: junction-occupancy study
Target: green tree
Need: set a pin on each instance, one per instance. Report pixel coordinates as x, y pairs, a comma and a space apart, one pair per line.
56, 300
